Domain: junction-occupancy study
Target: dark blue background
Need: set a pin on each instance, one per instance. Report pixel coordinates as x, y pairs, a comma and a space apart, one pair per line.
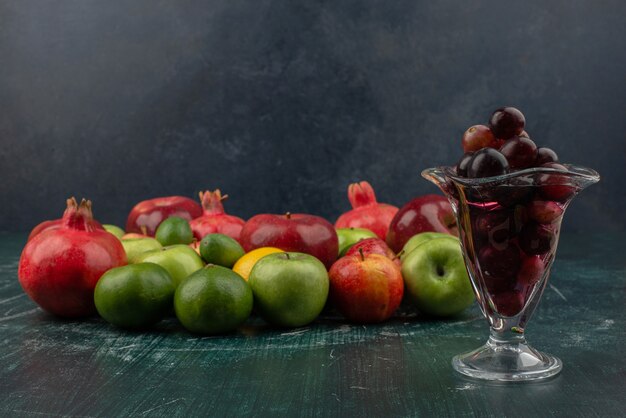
282, 103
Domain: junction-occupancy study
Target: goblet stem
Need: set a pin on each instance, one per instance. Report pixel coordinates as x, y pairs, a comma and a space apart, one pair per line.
506, 338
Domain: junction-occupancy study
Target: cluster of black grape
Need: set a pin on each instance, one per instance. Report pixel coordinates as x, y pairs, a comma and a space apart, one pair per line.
515, 223
501, 147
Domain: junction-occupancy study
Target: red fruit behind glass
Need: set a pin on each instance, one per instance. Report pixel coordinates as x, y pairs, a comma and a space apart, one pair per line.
214, 219
495, 227
59, 268
150, 213
499, 266
510, 246
509, 303
538, 239
366, 211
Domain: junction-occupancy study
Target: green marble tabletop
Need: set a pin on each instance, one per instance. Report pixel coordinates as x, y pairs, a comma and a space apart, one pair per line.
52, 367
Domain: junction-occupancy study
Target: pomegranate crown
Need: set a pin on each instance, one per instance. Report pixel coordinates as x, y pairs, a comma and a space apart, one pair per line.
78, 216
361, 194
212, 201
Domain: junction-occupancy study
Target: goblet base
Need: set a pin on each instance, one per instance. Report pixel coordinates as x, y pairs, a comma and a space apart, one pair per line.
507, 361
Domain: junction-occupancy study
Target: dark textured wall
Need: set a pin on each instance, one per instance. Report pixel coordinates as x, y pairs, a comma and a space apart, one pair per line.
282, 103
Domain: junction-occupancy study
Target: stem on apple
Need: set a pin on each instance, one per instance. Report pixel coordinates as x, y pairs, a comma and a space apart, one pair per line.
288, 215
362, 255
287, 256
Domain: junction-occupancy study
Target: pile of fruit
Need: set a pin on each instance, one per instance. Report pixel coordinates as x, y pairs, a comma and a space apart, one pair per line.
211, 269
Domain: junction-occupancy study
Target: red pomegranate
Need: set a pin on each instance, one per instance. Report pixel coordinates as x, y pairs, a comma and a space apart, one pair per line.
59, 267
54, 224
214, 219
366, 211
150, 213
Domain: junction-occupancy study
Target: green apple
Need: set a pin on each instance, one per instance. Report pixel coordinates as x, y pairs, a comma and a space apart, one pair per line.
113, 229
350, 236
418, 239
179, 261
135, 247
290, 289
436, 279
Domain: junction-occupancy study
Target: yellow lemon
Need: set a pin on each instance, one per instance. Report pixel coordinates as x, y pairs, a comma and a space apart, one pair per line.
244, 265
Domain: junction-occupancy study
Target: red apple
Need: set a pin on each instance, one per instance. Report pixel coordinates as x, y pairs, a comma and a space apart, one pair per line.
374, 246
298, 232
366, 288
429, 213
150, 213
366, 211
